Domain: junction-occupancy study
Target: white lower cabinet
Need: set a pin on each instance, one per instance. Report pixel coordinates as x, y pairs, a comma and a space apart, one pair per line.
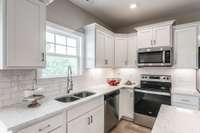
91, 122
79, 125
186, 101
97, 120
55, 124
126, 108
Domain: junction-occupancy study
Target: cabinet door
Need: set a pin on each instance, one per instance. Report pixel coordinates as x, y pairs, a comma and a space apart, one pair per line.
126, 103
145, 38
132, 51
186, 47
100, 46
121, 52
162, 36
109, 51
97, 118
79, 125
26, 22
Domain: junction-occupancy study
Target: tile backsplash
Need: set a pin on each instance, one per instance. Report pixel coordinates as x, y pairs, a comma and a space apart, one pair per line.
13, 83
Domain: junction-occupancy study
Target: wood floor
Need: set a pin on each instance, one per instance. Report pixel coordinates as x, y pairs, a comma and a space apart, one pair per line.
129, 127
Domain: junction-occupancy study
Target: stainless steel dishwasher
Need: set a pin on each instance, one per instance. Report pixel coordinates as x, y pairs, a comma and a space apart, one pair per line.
111, 110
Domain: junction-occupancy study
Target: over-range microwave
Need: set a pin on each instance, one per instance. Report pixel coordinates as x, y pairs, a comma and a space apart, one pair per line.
155, 57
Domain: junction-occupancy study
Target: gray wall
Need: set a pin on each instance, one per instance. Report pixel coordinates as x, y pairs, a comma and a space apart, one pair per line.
64, 13
180, 19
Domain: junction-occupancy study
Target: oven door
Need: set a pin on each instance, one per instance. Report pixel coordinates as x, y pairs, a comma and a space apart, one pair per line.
149, 103
147, 106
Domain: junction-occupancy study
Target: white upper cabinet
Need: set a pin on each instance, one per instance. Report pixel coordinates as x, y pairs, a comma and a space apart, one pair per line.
132, 51
156, 35
23, 34
125, 50
145, 38
199, 36
185, 44
109, 50
99, 47
121, 55
162, 36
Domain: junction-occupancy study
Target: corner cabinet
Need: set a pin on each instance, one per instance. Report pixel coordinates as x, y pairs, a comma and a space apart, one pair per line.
185, 46
156, 35
99, 47
22, 28
125, 50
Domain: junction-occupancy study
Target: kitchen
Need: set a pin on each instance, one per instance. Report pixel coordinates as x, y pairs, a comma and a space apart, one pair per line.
102, 42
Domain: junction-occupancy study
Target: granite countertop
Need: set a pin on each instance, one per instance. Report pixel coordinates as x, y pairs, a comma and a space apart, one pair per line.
18, 116
177, 120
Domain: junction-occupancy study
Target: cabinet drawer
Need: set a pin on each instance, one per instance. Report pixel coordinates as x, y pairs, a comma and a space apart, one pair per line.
190, 100
46, 126
185, 106
82, 109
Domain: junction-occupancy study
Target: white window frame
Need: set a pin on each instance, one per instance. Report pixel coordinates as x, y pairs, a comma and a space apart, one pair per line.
55, 28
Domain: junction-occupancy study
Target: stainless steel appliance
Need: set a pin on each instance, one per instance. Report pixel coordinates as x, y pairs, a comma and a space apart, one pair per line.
111, 110
154, 90
157, 56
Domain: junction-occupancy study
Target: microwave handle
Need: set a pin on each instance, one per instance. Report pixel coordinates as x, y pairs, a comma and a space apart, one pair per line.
175, 56
163, 57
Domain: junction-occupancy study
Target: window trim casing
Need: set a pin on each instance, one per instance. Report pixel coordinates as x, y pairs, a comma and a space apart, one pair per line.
80, 49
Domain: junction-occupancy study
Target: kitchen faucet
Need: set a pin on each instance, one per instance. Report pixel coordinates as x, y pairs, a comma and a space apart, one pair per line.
69, 80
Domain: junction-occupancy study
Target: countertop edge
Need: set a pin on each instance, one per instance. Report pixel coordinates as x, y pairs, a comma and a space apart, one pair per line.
27, 123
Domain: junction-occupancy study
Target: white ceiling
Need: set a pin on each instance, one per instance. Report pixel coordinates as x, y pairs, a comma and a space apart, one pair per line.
117, 14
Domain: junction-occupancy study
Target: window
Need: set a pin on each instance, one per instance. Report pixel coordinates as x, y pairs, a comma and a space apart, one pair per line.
63, 50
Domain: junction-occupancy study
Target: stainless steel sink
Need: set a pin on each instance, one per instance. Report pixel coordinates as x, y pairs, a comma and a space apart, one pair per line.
83, 94
67, 99
74, 97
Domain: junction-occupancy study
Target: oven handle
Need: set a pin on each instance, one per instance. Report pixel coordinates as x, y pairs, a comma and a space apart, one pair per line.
153, 92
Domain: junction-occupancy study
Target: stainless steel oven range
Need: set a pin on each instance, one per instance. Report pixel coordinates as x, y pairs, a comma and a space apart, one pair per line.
154, 90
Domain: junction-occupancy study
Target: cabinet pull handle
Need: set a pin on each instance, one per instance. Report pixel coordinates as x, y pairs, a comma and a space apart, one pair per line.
88, 120
126, 62
91, 119
151, 42
185, 100
43, 57
106, 61
54, 129
154, 43
41, 129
